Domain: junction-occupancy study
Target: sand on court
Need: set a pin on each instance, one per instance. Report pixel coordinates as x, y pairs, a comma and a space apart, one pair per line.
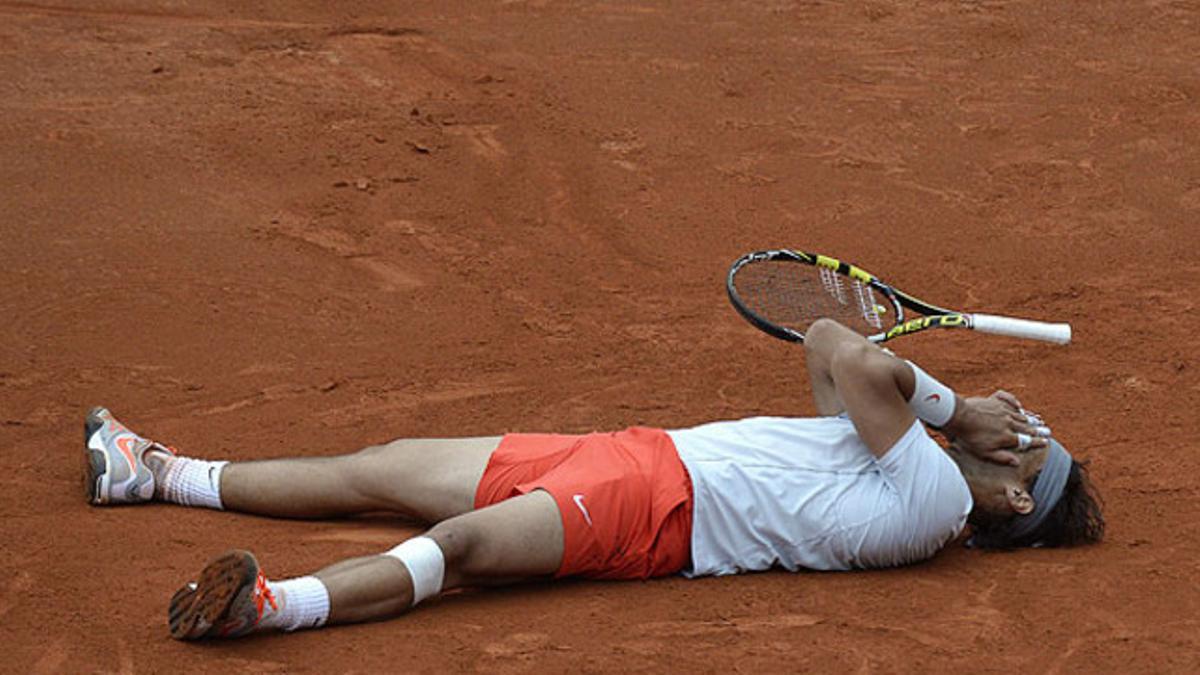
282, 228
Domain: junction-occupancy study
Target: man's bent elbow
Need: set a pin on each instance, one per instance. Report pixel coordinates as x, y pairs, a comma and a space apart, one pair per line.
863, 360
821, 332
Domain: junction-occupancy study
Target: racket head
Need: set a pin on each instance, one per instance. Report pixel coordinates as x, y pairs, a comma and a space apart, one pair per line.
782, 292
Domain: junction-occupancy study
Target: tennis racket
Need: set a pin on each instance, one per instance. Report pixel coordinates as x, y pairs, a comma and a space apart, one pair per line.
781, 292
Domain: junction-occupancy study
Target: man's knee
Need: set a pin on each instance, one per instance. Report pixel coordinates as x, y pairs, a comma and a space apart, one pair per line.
477, 551
462, 547
371, 455
381, 462
370, 473
518, 538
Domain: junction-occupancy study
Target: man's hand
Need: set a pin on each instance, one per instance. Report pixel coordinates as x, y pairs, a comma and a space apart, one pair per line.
995, 428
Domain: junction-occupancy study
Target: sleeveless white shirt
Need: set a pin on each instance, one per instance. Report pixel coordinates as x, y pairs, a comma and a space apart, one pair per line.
806, 492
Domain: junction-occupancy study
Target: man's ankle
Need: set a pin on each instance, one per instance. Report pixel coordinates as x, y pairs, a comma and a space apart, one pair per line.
157, 460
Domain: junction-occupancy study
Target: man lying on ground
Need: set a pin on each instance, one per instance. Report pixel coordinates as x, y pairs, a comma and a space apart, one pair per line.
862, 486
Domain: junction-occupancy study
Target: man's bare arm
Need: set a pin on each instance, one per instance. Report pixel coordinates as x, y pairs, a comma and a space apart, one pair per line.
850, 373
818, 352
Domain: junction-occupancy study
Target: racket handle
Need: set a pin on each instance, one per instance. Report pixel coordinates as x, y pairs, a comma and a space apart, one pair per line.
1058, 333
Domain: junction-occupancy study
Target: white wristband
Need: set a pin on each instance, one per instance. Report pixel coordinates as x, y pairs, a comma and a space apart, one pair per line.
932, 401
426, 565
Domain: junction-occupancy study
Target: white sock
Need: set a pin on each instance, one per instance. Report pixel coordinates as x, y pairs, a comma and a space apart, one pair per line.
301, 603
192, 482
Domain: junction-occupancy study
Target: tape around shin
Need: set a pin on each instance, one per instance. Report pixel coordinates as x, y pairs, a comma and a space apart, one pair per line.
932, 401
426, 565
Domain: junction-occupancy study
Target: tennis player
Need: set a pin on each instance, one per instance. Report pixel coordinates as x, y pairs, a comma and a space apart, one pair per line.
862, 486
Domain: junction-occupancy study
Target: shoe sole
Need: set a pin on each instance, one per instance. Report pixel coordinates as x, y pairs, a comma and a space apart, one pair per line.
95, 462
195, 610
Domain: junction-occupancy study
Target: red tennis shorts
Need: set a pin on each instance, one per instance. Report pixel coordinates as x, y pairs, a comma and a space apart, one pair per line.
625, 498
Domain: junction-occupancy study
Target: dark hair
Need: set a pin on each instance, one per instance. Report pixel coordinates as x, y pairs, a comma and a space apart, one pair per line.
1076, 519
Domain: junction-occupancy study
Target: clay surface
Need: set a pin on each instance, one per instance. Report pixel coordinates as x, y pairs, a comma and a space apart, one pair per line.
297, 228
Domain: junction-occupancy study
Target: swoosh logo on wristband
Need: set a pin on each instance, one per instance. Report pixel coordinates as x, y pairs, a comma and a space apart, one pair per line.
936, 398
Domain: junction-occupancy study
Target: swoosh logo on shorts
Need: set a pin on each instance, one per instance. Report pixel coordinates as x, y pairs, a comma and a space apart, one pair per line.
586, 516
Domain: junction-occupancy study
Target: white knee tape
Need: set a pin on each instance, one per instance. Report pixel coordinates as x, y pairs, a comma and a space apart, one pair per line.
932, 401
426, 565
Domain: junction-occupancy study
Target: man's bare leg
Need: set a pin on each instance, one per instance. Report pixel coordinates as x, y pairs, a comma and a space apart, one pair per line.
427, 479
518, 539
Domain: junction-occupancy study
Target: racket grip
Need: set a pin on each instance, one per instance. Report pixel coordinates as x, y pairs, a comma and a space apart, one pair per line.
1058, 333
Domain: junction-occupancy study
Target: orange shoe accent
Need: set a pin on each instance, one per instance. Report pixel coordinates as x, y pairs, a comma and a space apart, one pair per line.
124, 444
263, 595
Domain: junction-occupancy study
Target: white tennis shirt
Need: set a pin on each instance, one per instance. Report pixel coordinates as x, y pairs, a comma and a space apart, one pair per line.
806, 492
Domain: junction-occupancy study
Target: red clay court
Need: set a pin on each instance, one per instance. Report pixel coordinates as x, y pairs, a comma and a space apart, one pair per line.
301, 228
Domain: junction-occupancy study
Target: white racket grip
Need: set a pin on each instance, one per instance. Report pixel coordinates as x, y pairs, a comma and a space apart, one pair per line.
1058, 333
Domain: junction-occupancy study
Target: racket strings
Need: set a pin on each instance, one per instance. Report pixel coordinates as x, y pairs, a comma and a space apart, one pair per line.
866, 304
794, 296
832, 282
835, 285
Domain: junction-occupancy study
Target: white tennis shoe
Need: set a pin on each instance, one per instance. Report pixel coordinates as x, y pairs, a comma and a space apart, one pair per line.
115, 470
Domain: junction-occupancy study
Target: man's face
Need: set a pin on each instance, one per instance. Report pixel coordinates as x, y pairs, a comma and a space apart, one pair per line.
997, 490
